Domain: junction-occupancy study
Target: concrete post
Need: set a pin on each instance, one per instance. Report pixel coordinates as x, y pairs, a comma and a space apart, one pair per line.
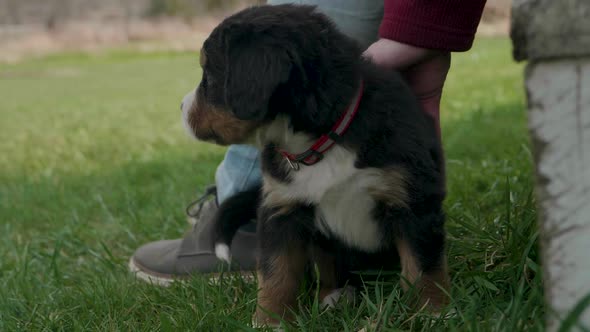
554, 36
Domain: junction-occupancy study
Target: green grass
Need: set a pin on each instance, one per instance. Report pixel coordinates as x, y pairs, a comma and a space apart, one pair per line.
94, 162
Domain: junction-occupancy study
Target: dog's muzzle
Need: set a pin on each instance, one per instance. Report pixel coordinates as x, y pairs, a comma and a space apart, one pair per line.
186, 106
187, 101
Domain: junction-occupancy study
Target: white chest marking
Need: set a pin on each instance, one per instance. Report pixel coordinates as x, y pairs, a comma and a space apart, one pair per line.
346, 210
338, 189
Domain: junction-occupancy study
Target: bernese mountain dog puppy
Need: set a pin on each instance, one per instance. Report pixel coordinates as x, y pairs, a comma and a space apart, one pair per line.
353, 173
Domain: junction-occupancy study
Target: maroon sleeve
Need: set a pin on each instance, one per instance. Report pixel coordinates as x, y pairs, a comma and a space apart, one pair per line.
447, 25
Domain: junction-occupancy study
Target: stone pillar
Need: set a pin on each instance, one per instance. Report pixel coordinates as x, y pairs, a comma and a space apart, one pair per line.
554, 36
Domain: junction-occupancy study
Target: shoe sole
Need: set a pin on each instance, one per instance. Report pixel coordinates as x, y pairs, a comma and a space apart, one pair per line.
165, 280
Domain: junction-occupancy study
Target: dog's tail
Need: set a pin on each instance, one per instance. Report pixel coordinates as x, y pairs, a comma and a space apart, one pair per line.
233, 213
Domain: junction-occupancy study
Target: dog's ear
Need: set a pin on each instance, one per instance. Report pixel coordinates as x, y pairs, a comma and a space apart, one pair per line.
254, 70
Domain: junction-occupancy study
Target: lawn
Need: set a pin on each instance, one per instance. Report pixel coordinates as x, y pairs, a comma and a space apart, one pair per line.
94, 162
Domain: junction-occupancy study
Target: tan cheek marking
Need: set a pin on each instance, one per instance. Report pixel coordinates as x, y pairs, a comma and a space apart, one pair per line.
229, 128
205, 118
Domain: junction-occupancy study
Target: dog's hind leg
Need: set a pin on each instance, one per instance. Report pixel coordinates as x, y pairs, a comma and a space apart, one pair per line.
424, 267
325, 271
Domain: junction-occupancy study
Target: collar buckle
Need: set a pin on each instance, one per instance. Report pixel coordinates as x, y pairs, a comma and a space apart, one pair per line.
294, 164
310, 157
307, 158
316, 152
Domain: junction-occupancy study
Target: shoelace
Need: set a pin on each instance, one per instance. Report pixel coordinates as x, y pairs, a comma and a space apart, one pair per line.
210, 191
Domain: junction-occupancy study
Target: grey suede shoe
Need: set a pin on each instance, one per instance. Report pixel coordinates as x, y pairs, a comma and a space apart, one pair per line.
194, 211
162, 262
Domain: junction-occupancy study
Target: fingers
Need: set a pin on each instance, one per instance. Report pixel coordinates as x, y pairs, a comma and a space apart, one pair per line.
395, 55
427, 78
424, 70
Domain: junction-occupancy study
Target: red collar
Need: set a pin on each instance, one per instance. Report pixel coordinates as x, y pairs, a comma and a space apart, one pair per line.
316, 152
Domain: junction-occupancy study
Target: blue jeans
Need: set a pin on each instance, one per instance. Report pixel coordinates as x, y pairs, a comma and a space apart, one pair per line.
359, 19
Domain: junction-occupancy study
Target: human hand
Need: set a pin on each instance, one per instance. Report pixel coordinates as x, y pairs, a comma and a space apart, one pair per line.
424, 70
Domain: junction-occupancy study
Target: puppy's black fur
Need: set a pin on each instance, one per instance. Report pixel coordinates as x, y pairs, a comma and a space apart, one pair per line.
271, 63
233, 213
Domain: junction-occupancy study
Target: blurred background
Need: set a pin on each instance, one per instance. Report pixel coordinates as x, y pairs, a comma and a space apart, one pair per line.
38, 27
94, 162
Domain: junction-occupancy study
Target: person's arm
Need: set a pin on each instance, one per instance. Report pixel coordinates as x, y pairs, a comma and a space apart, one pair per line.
417, 36
444, 25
